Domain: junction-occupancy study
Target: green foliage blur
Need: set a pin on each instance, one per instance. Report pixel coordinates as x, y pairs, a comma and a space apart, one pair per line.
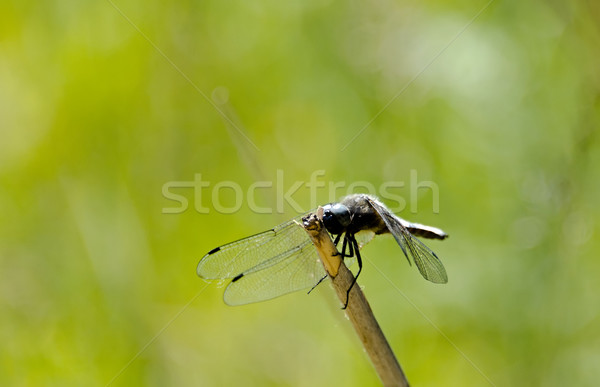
104, 103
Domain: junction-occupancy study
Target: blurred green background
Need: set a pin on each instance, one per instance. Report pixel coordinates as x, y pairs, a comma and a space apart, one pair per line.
102, 104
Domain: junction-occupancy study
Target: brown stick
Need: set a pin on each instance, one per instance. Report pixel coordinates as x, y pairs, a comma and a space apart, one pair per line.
359, 312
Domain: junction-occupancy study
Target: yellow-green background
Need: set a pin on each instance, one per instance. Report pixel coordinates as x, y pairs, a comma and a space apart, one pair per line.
94, 120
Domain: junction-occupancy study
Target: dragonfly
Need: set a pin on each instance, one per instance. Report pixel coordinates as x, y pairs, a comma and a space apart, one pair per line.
283, 259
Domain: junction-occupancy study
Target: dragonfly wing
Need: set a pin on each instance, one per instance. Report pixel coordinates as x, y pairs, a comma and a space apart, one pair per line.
237, 257
427, 261
429, 265
296, 269
363, 237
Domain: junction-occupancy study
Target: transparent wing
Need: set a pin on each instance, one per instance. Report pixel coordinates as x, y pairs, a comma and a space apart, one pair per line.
237, 257
363, 237
427, 262
296, 269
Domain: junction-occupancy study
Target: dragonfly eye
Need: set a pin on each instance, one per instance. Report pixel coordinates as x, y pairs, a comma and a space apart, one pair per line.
336, 217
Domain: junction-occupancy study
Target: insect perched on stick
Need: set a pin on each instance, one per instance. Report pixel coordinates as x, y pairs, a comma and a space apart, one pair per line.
283, 260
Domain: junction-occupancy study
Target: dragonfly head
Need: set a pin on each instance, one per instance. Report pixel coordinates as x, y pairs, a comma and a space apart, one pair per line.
336, 217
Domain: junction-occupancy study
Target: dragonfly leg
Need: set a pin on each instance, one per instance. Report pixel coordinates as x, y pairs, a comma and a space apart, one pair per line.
353, 245
344, 247
337, 239
317, 284
350, 246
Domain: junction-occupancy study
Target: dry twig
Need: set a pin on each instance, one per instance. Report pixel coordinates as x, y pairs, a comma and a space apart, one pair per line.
359, 312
